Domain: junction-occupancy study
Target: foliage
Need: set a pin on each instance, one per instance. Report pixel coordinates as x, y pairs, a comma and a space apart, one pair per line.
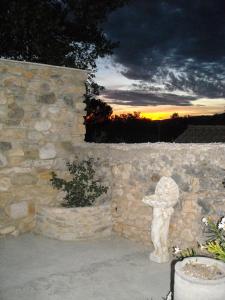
83, 189
215, 243
217, 249
97, 110
180, 254
65, 33
174, 115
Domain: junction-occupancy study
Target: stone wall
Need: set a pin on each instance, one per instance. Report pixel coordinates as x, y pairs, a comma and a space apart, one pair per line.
74, 223
132, 171
41, 120
41, 126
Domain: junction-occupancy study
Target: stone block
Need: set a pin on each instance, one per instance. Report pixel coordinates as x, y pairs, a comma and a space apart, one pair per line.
3, 161
80, 106
5, 184
68, 99
48, 151
15, 112
28, 75
7, 229
13, 133
45, 175
43, 164
81, 128
49, 98
31, 154
53, 109
78, 139
16, 152
45, 87
68, 146
18, 210
26, 224
22, 179
34, 135
15, 160
5, 146
42, 125
5, 198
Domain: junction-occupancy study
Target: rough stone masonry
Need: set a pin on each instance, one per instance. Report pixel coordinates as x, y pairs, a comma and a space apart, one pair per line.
41, 121
41, 126
132, 172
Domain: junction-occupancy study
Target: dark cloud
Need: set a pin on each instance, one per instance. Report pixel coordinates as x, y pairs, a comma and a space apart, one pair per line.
181, 42
134, 98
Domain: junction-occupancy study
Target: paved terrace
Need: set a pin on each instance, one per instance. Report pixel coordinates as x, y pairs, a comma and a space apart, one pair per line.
36, 268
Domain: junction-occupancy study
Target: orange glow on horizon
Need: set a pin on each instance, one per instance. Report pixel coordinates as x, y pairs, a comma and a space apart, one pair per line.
165, 112
155, 115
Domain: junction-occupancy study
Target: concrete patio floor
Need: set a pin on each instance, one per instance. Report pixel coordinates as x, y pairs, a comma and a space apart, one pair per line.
37, 268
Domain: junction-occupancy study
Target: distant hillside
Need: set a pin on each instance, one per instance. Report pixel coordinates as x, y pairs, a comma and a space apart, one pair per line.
132, 129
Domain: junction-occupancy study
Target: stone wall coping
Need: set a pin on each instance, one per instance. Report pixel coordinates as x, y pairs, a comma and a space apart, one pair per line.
161, 145
38, 65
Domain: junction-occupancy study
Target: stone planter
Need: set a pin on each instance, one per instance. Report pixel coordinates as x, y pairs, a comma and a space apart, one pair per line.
74, 223
187, 287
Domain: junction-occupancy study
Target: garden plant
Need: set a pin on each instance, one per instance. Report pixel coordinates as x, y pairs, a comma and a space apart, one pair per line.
83, 188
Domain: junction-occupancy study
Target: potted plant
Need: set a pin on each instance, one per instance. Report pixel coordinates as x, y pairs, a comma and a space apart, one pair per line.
202, 277
79, 216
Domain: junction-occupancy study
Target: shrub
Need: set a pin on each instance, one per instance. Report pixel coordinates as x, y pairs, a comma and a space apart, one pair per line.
83, 189
215, 244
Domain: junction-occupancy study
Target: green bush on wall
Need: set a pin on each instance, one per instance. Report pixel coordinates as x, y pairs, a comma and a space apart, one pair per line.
83, 189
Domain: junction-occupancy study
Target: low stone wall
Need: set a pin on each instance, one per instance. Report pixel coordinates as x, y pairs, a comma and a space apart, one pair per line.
133, 170
74, 223
41, 120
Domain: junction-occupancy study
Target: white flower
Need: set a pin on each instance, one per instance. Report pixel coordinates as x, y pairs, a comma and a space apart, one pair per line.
202, 246
177, 250
223, 220
205, 221
221, 224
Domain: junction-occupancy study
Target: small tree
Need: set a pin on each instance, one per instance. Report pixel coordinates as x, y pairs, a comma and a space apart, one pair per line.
174, 116
83, 189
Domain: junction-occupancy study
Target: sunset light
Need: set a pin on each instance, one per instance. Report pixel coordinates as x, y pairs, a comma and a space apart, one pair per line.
156, 115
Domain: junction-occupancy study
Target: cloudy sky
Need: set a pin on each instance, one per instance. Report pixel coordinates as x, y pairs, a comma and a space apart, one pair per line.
171, 58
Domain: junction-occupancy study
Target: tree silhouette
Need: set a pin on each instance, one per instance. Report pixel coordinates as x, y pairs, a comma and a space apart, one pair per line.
174, 116
130, 128
97, 111
65, 33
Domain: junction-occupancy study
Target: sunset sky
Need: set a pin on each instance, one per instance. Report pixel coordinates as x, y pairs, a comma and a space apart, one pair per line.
171, 58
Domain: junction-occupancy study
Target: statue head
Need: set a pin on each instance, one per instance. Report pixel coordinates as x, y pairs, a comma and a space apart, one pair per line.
167, 191
166, 194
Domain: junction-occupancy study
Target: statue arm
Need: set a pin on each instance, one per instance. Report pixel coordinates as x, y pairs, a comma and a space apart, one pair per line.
149, 200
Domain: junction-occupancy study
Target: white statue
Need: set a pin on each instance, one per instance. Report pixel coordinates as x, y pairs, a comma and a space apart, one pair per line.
165, 197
